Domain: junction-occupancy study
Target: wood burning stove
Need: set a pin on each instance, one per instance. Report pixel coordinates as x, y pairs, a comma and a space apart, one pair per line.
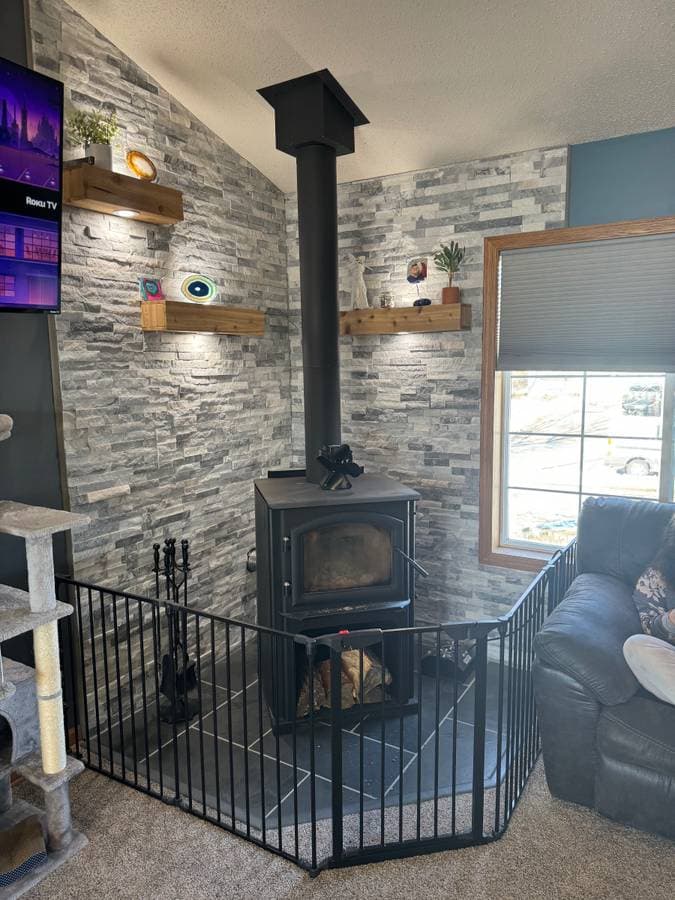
342, 557
330, 562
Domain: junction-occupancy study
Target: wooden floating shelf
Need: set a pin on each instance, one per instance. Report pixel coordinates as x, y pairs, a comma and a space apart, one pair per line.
407, 319
174, 315
100, 190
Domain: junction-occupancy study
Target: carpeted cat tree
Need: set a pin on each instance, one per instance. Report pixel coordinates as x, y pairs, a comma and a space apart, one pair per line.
33, 842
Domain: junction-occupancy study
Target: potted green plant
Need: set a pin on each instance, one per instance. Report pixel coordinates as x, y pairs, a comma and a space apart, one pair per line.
448, 260
95, 131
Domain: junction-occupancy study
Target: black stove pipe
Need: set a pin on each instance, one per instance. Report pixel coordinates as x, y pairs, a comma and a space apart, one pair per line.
315, 121
317, 229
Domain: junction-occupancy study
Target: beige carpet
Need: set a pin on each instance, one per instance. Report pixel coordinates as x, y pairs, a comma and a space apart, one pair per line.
141, 849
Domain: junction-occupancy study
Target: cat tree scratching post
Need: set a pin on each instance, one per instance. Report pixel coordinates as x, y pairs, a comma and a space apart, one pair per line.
37, 610
36, 525
42, 596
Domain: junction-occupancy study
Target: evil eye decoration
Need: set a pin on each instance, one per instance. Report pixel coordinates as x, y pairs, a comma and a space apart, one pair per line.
199, 288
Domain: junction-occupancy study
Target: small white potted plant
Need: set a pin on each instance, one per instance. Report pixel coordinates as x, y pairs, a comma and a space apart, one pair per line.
448, 260
95, 131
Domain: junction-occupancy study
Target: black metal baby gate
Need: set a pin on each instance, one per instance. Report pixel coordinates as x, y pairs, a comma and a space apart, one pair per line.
434, 763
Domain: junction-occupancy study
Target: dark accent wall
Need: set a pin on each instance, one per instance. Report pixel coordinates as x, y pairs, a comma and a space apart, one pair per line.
29, 461
631, 177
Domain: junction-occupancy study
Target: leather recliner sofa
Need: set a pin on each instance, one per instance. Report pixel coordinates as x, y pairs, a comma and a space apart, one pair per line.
607, 743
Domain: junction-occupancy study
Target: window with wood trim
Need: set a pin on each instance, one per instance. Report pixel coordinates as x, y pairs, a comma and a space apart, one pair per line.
551, 438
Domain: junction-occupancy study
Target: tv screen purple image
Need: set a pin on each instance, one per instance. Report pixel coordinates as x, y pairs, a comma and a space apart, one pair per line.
31, 135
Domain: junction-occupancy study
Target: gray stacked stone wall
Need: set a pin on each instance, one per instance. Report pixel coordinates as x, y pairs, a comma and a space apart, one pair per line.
164, 433
411, 402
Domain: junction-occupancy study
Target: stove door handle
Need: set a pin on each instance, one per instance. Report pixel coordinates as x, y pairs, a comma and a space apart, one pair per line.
412, 562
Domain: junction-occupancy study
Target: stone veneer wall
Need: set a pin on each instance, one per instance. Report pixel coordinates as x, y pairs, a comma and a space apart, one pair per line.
165, 433
411, 402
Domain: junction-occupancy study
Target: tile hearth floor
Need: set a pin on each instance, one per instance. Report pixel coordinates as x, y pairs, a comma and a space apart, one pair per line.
230, 760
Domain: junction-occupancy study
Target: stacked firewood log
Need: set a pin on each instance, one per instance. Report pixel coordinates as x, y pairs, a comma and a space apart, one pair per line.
351, 688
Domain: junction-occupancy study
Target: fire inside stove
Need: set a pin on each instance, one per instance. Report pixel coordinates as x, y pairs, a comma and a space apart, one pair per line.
344, 556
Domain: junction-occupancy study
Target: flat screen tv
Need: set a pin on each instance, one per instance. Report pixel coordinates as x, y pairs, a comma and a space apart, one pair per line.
31, 151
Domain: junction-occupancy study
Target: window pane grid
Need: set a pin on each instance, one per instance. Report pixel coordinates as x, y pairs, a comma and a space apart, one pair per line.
583, 494
615, 449
578, 434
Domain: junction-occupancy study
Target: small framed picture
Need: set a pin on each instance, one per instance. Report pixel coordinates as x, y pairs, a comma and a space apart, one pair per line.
416, 271
150, 289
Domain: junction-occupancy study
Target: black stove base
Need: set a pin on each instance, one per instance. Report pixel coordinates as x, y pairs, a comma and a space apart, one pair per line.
285, 664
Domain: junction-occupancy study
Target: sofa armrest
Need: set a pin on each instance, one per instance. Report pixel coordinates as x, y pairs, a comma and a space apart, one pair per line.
584, 637
568, 717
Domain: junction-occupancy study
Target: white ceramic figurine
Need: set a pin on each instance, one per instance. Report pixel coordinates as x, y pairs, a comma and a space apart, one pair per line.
359, 289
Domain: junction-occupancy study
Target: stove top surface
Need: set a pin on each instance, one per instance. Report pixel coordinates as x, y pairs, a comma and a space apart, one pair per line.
296, 492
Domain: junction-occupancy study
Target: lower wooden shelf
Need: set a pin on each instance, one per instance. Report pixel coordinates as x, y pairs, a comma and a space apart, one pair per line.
407, 319
174, 315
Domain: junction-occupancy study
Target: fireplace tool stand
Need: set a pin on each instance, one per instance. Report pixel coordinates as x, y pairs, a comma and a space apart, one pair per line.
178, 684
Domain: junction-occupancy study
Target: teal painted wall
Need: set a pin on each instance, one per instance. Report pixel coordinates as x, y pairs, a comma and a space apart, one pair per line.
631, 177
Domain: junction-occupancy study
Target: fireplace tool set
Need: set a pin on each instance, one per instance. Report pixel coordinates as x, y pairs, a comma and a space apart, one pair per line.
178, 684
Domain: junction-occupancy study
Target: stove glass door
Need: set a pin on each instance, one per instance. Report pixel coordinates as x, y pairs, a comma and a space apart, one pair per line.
347, 558
340, 557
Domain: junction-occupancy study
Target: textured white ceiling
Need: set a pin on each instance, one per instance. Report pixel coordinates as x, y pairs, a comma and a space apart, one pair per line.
440, 80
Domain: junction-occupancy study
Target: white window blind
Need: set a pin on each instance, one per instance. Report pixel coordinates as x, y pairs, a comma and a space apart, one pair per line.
596, 306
